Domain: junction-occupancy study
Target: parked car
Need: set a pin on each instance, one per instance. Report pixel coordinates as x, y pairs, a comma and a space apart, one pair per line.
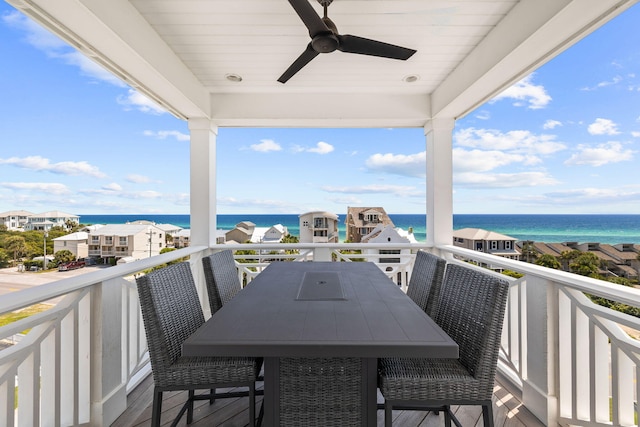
73, 265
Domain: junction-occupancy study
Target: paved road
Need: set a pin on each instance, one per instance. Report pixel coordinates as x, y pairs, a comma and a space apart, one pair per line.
11, 280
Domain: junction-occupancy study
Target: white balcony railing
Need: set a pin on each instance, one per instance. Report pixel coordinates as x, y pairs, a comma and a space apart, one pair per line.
572, 360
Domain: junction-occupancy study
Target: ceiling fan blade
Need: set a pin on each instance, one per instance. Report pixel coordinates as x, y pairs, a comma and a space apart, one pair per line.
297, 65
362, 46
309, 17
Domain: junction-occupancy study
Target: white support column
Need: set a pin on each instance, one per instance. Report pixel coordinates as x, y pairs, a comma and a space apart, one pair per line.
539, 385
203, 181
439, 138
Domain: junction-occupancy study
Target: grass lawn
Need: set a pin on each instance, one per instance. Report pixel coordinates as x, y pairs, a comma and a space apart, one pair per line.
14, 316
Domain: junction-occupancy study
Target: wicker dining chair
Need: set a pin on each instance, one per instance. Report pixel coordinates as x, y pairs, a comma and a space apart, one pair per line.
171, 312
221, 276
471, 312
426, 280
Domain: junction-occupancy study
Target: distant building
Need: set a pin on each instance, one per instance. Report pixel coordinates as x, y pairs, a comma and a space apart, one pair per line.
77, 243
361, 221
182, 239
390, 235
45, 221
318, 227
246, 231
15, 220
136, 241
488, 242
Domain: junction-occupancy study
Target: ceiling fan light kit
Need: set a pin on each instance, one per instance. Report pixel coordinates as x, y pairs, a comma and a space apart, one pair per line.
326, 39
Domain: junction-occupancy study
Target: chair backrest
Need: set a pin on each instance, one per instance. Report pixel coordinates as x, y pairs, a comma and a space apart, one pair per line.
171, 312
221, 275
472, 306
426, 281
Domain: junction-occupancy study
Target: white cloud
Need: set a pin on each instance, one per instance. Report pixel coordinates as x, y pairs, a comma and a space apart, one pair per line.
593, 196
518, 141
413, 165
502, 180
266, 145
482, 161
603, 127
138, 179
525, 92
164, 134
551, 124
635, 134
43, 187
39, 163
135, 100
614, 81
321, 148
112, 187
483, 115
400, 190
602, 154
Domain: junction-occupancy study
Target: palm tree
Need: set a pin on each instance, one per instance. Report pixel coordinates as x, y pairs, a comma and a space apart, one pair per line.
549, 261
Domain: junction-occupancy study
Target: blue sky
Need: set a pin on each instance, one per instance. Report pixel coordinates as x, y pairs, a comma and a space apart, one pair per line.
566, 139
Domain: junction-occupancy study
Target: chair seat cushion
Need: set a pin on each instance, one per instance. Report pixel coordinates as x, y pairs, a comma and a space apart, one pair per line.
207, 370
429, 379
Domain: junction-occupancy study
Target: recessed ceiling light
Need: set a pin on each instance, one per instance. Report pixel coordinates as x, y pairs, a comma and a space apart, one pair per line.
411, 78
236, 78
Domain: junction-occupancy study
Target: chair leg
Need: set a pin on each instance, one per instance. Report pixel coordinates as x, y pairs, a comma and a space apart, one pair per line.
190, 407
157, 408
388, 414
447, 416
487, 415
261, 413
252, 404
212, 399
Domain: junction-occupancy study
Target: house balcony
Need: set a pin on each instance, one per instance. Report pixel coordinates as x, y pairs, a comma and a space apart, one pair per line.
564, 360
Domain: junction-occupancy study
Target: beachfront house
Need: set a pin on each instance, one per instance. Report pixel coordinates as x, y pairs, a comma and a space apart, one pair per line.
131, 241
46, 220
318, 227
215, 64
77, 243
14, 220
361, 221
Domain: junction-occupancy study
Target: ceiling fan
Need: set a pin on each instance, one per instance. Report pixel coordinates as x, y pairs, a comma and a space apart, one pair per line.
325, 39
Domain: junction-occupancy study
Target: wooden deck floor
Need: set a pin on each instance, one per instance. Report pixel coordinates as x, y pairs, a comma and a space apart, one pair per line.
234, 412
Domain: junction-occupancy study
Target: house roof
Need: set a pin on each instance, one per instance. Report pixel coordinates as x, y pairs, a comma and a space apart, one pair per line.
79, 235
480, 234
316, 214
123, 229
15, 213
220, 60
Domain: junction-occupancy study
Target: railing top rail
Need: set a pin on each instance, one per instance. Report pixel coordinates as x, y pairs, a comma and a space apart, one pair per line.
601, 288
26, 297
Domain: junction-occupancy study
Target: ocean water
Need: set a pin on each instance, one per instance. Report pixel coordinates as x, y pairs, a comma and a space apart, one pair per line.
610, 229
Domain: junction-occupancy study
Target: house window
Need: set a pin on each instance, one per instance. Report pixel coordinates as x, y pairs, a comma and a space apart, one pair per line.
389, 252
95, 239
507, 245
108, 240
123, 241
494, 245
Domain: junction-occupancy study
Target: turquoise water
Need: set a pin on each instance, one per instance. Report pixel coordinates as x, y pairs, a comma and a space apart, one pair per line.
610, 229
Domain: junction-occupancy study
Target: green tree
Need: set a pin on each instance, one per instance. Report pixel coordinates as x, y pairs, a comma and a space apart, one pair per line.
566, 257
17, 245
63, 256
585, 264
549, 261
529, 252
5, 258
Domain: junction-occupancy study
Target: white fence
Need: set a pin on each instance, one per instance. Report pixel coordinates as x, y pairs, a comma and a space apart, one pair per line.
572, 360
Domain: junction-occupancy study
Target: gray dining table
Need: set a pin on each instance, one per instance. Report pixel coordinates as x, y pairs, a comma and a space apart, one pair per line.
298, 311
